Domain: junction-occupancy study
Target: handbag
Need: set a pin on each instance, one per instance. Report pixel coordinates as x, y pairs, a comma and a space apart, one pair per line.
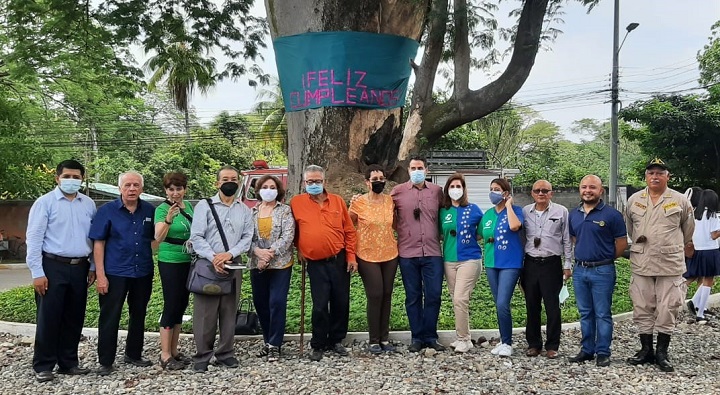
246, 320
203, 278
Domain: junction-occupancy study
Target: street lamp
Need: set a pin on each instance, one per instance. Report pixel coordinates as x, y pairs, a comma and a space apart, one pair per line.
614, 140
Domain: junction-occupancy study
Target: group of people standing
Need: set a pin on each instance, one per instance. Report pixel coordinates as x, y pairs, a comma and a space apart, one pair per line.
429, 232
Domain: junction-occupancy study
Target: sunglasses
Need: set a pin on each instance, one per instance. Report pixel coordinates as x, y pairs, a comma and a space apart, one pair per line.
416, 213
543, 191
536, 242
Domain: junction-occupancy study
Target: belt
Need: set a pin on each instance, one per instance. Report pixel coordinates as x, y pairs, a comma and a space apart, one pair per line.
62, 259
543, 259
172, 240
594, 264
328, 259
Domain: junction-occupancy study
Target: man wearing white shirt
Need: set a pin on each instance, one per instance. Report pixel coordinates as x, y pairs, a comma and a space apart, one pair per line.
58, 249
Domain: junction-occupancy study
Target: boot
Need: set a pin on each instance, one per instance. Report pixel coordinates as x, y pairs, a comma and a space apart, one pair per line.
661, 354
646, 354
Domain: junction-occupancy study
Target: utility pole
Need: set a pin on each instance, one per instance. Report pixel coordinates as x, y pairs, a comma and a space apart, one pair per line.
615, 102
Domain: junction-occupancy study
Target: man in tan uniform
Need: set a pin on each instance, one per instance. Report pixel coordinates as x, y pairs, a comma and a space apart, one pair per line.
659, 222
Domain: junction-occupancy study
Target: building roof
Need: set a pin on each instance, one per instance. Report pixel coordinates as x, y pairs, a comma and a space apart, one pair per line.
112, 191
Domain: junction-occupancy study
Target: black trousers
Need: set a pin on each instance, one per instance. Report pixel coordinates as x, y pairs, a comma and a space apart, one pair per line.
542, 280
173, 277
330, 291
137, 292
60, 315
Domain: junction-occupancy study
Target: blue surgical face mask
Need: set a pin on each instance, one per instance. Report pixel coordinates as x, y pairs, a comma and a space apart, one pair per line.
314, 189
70, 185
417, 176
496, 197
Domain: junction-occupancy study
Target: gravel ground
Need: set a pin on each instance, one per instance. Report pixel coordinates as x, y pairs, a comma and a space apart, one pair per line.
693, 352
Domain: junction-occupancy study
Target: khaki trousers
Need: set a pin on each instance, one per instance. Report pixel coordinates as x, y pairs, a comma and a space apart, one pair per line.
656, 302
208, 311
461, 278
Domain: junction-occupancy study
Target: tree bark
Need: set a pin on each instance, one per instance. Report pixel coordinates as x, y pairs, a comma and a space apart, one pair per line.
346, 139
343, 139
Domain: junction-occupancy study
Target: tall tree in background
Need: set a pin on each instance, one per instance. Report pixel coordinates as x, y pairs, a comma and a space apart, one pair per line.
682, 130
271, 107
182, 68
348, 138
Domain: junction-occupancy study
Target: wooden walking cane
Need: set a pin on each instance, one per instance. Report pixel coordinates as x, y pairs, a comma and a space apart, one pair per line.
302, 306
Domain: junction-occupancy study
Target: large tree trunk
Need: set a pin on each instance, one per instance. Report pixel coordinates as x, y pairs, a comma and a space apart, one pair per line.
346, 139
343, 139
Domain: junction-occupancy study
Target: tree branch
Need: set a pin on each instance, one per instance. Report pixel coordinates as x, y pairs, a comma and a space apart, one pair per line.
461, 48
425, 73
460, 110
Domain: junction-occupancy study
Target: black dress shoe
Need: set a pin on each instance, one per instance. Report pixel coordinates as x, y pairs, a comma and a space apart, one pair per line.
141, 363
105, 370
338, 349
435, 346
603, 361
316, 354
415, 347
44, 376
229, 362
200, 367
581, 357
74, 371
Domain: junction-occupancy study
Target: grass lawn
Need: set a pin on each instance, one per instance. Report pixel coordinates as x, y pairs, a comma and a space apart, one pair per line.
18, 305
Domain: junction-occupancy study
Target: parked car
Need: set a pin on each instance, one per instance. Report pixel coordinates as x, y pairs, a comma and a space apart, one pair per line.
250, 177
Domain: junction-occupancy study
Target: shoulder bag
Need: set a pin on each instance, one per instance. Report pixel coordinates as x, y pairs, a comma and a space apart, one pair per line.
203, 278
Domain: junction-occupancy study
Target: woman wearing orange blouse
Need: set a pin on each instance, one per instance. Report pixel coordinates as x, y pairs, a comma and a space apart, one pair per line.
377, 255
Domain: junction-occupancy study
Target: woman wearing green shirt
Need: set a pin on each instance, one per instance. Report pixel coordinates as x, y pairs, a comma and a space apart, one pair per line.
172, 230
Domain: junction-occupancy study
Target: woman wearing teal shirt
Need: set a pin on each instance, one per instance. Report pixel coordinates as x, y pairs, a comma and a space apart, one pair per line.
459, 222
503, 256
172, 230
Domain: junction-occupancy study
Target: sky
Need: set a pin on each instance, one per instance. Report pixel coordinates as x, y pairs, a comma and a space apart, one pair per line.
657, 57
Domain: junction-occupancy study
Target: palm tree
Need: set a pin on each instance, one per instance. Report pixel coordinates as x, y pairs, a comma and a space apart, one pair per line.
181, 69
272, 108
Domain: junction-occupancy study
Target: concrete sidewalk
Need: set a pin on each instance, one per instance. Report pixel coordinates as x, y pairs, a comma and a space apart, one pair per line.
13, 275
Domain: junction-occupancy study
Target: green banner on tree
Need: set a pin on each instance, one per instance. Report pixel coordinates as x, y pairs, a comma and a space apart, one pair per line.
347, 69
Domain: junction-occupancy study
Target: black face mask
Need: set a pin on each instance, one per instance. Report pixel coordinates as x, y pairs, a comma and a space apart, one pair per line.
229, 188
378, 186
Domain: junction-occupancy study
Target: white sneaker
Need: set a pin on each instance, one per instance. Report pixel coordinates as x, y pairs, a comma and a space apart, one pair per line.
454, 344
496, 350
463, 346
505, 350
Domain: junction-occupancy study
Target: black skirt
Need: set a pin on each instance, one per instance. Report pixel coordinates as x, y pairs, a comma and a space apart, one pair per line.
705, 263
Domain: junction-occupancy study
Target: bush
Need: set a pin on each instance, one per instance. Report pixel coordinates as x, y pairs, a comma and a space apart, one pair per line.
18, 305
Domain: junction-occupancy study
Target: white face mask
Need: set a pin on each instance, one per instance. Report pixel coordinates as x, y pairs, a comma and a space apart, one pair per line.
268, 195
455, 193
70, 185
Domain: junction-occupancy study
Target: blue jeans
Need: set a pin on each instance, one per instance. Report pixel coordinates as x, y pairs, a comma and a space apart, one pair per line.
593, 294
422, 278
502, 285
270, 292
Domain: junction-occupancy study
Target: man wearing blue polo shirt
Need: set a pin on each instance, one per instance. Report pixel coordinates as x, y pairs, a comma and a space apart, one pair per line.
122, 232
599, 234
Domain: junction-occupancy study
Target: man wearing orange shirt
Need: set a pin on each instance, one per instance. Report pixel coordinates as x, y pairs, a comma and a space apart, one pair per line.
325, 238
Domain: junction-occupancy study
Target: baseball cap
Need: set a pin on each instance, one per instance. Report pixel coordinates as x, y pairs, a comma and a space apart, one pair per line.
657, 162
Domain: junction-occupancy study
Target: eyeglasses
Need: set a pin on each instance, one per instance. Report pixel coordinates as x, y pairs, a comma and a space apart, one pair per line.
314, 182
543, 191
416, 213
